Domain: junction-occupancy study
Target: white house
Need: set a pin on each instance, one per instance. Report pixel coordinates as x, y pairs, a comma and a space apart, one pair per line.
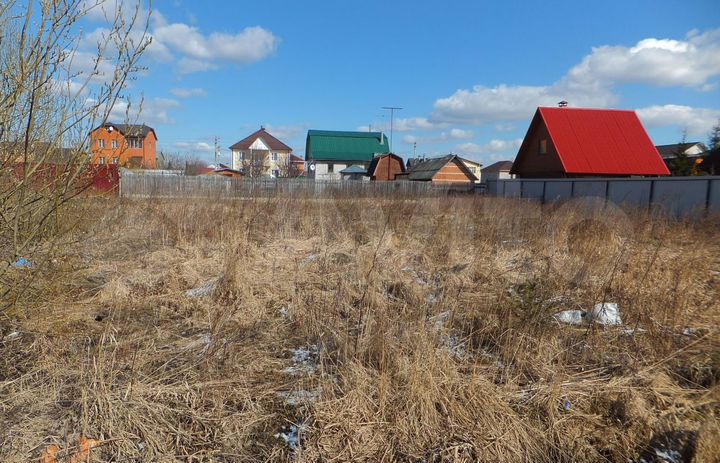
497, 171
261, 154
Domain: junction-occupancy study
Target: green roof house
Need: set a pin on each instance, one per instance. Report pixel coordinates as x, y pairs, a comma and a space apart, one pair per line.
328, 152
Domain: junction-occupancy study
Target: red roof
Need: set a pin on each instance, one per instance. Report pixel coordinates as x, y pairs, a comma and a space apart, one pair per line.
601, 142
271, 142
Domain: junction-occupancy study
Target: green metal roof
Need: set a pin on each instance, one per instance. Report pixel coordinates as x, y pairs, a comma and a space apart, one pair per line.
354, 169
326, 145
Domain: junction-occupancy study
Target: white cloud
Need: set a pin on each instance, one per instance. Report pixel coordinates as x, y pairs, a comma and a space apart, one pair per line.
201, 52
285, 133
188, 66
493, 146
405, 125
508, 103
193, 50
694, 62
188, 92
197, 146
659, 62
460, 134
150, 112
452, 134
697, 121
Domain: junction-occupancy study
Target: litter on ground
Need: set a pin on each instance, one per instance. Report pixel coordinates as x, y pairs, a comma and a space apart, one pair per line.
23, 263
12, 336
606, 313
571, 317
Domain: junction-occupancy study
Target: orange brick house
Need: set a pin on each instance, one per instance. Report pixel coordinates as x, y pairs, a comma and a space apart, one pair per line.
126, 145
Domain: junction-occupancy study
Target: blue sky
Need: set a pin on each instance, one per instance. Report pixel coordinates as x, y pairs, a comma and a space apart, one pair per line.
468, 74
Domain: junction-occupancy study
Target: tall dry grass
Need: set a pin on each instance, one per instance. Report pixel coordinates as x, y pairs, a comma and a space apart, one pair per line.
426, 326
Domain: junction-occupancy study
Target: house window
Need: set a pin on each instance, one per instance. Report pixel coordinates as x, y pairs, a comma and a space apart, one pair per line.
135, 143
276, 173
102, 160
273, 156
542, 148
114, 144
101, 144
116, 160
242, 155
330, 167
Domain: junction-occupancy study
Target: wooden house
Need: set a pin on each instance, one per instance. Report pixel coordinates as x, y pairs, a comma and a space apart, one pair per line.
580, 142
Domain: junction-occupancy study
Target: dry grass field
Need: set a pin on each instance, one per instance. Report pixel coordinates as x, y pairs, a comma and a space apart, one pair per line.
363, 330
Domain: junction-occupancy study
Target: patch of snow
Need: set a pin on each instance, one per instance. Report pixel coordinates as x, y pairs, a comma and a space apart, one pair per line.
299, 397
310, 259
438, 321
690, 332
284, 312
292, 435
455, 346
633, 331
304, 361
669, 456
432, 298
203, 340
204, 290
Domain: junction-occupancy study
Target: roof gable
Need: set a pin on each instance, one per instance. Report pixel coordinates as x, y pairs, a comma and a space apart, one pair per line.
597, 142
268, 140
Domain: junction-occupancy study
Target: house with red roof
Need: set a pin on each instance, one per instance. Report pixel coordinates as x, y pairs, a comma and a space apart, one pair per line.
584, 142
262, 155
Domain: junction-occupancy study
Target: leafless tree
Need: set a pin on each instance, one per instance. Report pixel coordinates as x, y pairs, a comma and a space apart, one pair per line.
48, 107
288, 169
255, 164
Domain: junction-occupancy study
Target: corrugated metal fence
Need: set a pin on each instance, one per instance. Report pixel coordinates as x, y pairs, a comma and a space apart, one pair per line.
676, 196
204, 186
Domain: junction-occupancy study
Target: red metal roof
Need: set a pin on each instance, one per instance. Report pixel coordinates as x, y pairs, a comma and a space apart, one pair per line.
602, 142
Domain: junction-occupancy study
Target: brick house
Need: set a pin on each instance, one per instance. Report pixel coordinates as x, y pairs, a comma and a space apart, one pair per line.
446, 169
125, 145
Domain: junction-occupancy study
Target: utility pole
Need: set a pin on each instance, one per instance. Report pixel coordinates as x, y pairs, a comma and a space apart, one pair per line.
414, 148
217, 150
392, 113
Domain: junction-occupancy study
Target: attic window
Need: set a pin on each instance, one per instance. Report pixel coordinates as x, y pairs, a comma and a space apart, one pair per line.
542, 148
135, 143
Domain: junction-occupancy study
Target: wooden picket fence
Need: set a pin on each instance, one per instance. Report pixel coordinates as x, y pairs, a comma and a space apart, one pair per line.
204, 186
